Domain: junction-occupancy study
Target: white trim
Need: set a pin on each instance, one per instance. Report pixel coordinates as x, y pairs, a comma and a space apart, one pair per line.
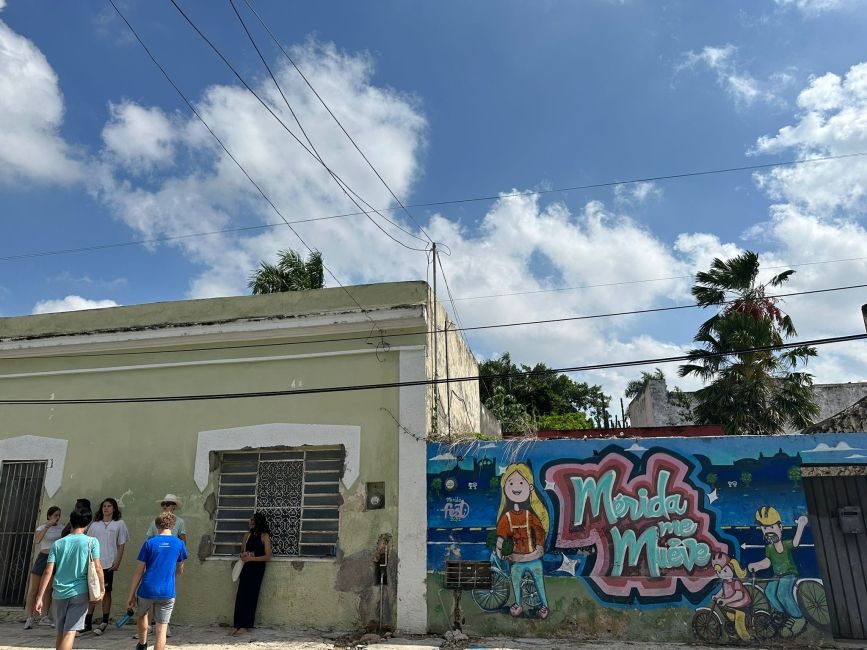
412, 497
52, 450
270, 327
208, 362
279, 434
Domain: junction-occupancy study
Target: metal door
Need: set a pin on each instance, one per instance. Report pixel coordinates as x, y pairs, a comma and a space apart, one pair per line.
838, 513
20, 492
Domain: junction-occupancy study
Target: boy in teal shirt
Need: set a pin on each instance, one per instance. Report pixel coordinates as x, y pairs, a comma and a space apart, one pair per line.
67, 565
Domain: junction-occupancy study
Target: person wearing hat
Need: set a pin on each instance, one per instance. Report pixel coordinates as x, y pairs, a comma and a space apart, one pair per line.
170, 503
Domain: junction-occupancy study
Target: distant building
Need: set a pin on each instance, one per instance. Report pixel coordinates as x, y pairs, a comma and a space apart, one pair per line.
657, 406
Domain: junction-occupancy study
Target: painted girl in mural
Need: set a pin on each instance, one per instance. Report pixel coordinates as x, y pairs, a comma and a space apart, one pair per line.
733, 595
523, 518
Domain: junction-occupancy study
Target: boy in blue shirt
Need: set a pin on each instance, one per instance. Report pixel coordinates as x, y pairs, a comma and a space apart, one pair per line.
67, 565
160, 559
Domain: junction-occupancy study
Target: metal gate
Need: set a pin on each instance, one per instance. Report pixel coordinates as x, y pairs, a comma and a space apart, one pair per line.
20, 491
838, 511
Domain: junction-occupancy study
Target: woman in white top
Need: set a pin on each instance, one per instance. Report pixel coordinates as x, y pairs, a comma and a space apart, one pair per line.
45, 536
112, 534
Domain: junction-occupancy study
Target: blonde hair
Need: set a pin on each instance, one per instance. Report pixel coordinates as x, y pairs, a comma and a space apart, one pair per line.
738, 569
536, 505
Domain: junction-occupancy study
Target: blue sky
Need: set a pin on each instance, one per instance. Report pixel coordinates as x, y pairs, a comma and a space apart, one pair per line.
450, 101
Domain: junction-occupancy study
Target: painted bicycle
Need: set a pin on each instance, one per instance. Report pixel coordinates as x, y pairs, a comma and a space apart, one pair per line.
497, 596
711, 624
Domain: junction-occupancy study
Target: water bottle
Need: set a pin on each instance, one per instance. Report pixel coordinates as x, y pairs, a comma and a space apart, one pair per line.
123, 620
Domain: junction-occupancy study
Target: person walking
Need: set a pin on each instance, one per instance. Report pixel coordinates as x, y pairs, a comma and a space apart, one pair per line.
67, 566
45, 536
160, 560
255, 552
112, 533
80, 504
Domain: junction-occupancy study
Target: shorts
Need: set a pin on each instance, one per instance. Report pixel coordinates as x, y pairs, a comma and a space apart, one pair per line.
162, 609
108, 578
69, 613
40, 564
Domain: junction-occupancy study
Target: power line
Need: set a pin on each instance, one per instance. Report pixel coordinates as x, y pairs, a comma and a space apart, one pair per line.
424, 382
345, 188
427, 332
330, 112
268, 108
235, 160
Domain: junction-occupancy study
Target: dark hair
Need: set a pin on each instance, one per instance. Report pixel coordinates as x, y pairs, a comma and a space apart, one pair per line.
165, 521
80, 518
260, 524
115, 515
52, 510
82, 503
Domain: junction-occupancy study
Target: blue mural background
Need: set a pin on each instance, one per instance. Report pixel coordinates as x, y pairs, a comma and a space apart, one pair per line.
742, 473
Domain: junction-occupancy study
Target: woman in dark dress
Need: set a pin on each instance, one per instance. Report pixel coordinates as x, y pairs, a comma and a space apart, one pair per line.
255, 551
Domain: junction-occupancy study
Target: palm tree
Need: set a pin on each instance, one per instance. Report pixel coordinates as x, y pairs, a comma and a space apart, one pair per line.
635, 387
291, 273
759, 392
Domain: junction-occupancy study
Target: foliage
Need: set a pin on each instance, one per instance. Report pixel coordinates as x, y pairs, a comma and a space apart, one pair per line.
635, 387
794, 474
711, 479
291, 273
758, 392
564, 422
746, 478
525, 397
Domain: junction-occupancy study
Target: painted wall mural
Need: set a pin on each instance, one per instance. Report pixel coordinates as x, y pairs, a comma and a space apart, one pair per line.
711, 533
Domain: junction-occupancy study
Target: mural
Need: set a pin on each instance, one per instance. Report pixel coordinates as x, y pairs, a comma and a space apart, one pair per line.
711, 533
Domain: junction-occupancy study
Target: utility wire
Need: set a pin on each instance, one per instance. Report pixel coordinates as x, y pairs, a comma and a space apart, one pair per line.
427, 382
331, 113
235, 160
419, 333
346, 189
243, 81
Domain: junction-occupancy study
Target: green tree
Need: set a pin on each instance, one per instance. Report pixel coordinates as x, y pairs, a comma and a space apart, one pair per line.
759, 392
794, 474
509, 411
290, 273
746, 478
541, 393
711, 479
563, 422
636, 386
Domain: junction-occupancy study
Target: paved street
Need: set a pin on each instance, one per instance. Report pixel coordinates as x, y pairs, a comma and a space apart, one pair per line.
215, 638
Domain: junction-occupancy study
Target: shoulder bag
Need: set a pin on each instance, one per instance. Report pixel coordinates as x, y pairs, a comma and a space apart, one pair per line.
94, 591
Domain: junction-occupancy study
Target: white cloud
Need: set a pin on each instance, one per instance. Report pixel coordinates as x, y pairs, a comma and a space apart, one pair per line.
2, 5
632, 194
140, 138
71, 303
823, 447
31, 112
744, 89
812, 7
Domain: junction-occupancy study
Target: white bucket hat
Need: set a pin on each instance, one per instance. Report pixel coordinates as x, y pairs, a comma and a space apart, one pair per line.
173, 498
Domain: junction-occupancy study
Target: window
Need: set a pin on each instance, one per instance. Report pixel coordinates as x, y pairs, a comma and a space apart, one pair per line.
298, 490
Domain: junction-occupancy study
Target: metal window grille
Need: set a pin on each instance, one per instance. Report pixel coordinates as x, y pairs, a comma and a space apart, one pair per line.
20, 492
298, 490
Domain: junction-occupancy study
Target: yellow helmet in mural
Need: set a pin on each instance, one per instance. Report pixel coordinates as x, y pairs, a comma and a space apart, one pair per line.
767, 516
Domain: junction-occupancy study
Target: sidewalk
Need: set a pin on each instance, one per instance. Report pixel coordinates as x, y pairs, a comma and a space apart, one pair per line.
216, 638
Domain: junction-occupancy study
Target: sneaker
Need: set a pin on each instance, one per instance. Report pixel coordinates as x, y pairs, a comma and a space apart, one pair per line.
87, 629
100, 629
47, 621
28, 624
141, 646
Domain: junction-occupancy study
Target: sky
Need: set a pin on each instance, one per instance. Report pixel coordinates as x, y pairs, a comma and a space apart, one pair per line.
448, 101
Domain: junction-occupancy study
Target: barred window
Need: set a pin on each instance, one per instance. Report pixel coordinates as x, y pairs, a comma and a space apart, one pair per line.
298, 490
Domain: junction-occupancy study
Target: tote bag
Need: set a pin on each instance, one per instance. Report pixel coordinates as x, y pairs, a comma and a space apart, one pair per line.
94, 591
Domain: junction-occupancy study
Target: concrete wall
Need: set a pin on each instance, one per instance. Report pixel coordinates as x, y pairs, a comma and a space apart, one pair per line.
458, 405
137, 452
630, 531
657, 406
